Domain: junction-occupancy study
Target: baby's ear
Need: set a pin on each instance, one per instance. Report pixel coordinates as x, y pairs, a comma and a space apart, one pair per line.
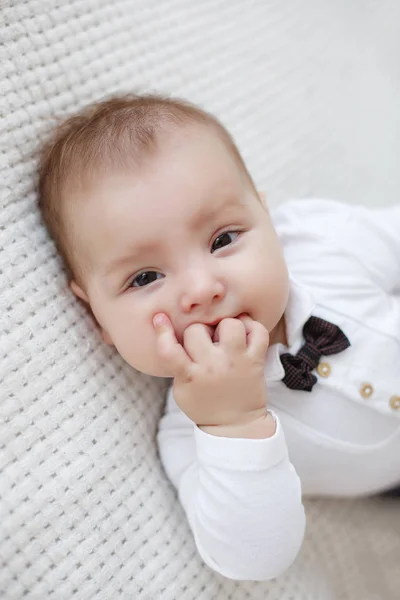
78, 291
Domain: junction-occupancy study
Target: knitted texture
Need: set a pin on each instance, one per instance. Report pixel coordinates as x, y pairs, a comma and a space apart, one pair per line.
311, 92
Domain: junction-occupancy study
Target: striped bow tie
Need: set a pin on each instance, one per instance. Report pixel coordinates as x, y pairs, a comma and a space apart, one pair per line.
322, 339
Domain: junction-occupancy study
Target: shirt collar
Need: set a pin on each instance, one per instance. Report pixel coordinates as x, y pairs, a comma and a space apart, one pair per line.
298, 309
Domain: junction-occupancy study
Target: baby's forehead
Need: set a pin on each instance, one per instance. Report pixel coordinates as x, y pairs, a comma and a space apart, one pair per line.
113, 161
193, 159
174, 146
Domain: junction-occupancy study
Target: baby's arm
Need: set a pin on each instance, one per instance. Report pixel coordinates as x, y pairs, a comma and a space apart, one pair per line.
242, 497
240, 492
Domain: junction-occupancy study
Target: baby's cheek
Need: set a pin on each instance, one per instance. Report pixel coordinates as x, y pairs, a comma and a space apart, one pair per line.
266, 295
139, 349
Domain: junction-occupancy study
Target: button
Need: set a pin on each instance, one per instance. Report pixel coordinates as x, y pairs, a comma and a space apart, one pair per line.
366, 390
395, 402
324, 369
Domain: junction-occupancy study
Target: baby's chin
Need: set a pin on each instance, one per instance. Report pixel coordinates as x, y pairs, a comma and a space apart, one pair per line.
163, 373
152, 370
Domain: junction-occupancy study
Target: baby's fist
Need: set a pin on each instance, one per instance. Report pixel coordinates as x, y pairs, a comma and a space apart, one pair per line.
219, 381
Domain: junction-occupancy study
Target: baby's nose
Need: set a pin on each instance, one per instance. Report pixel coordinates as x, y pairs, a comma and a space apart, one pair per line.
201, 291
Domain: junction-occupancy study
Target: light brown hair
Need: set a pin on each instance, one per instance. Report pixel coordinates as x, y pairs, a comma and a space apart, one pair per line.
119, 131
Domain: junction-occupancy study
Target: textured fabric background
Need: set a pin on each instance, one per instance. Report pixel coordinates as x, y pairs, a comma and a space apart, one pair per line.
311, 92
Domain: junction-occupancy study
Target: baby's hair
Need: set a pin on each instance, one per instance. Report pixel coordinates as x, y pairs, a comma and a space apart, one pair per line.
116, 132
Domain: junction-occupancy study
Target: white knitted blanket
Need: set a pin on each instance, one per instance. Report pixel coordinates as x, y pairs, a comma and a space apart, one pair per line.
311, 91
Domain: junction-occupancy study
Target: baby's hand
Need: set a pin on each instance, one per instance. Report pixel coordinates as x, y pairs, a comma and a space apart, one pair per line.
217, 384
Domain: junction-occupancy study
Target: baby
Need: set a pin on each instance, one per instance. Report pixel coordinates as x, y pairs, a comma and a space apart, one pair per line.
280, 329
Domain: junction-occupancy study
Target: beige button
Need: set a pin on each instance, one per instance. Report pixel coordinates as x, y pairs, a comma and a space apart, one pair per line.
366, 390
324, 369
395, 402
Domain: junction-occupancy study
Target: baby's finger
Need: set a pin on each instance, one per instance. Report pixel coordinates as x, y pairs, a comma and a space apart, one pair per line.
257, 336
169, 349
231, 334
197, 341
247, 322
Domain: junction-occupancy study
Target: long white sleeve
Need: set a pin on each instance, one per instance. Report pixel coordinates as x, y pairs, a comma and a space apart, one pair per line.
242, 497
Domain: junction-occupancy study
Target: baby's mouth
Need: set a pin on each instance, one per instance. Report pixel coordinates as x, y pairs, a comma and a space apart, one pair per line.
212, 330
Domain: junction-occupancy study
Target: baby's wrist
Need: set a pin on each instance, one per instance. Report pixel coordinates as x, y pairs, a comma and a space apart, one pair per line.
256, 427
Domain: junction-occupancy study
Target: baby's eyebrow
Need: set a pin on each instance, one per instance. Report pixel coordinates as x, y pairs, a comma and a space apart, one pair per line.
122, 261
204, 216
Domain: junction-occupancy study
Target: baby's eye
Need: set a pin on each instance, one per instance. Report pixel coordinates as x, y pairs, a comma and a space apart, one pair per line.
145, 278
223, 240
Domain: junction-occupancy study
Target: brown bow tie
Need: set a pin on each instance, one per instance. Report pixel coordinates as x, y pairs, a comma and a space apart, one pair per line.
322, 339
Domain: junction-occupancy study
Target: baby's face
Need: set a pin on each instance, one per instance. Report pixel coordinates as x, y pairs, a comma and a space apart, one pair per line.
187, 236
